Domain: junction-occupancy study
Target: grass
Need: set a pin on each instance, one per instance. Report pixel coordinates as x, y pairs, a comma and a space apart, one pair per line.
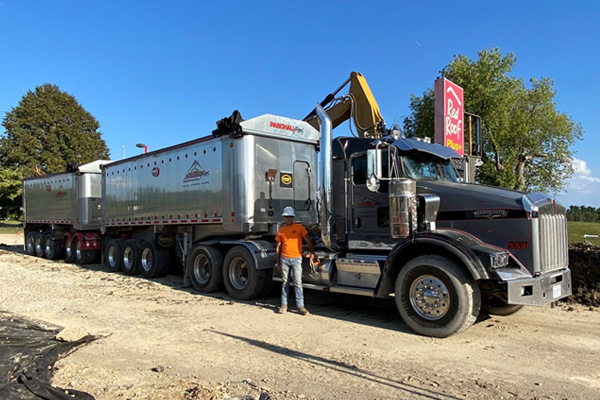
10, 227
578, 229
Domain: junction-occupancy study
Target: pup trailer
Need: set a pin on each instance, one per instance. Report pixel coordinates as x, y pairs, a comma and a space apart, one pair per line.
389, 216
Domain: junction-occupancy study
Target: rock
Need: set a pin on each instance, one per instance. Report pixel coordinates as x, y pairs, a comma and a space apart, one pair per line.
158, 368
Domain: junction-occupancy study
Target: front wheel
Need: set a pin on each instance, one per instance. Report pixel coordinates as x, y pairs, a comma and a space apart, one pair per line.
30, 243
243, 281
435, 297
113, 255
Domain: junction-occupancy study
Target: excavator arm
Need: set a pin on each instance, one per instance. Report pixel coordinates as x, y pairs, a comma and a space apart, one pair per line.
359, 104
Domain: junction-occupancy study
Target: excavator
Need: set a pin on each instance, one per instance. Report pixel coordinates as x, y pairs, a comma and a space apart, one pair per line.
359, 104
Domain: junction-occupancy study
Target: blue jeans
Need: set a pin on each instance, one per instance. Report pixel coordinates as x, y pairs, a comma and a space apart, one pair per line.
293, 265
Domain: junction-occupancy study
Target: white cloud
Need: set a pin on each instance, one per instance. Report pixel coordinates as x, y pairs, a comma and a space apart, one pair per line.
583, 188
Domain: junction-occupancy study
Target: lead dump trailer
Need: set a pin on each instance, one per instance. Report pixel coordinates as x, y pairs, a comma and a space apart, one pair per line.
211, 202
62, 213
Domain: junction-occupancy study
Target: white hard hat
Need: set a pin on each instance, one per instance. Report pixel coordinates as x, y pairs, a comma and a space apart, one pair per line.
288, 212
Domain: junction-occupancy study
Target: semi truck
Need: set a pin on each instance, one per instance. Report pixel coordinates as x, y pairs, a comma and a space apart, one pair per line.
389, 216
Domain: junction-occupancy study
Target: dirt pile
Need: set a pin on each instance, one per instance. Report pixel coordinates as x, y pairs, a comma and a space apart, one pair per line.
584, 261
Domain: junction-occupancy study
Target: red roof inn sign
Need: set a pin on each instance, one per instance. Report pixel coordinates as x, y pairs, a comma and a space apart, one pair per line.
449, 115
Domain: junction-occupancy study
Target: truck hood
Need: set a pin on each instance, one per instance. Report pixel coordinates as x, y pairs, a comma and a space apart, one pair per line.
470, 197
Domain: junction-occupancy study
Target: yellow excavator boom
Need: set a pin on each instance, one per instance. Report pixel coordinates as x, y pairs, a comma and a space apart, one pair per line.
359, 104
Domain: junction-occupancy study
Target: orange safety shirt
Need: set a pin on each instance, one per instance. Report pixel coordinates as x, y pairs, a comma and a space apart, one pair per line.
290, 237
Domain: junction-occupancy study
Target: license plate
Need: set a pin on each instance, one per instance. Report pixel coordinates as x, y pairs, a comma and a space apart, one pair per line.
557, 291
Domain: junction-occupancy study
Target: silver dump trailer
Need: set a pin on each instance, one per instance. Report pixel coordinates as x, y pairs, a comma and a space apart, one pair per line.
199, 200
63, 211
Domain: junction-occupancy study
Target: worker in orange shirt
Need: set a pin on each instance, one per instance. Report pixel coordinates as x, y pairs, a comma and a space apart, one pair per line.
289, 259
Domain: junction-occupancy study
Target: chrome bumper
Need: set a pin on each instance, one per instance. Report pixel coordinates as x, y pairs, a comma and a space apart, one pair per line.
540, 290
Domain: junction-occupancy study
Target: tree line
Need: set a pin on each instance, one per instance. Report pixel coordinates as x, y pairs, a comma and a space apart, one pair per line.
583, 214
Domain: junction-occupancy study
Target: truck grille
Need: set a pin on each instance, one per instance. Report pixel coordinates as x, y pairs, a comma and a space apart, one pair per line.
554, 253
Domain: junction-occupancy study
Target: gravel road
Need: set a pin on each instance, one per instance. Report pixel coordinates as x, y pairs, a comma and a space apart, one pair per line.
162, 341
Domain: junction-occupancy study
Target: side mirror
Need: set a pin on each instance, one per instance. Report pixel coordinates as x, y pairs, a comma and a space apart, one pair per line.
374, 169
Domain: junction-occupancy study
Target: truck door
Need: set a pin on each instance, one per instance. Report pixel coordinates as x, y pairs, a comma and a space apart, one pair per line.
369, 211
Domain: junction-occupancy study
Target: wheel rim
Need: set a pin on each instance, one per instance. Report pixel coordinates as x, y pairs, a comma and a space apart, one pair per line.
128, 258
112, 256
238, 273
78, 252
69, 249
47, 249
147, 259
201, 269
429, 297
38, 245
30, 244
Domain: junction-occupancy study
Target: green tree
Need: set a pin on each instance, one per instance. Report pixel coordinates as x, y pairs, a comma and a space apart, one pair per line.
45, 132
10, 192
48, 130
525, 139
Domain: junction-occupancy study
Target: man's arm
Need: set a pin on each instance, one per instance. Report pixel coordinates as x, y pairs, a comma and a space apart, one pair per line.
311, 248
278, 255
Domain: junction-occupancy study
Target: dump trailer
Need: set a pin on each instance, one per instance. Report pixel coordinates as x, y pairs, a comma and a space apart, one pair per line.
388, 215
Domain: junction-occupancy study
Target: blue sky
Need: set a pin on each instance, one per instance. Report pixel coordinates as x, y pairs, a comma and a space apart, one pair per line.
162, 73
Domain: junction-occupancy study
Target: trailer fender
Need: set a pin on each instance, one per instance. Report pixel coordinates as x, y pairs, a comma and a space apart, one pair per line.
89, 240
263, 252
467, 250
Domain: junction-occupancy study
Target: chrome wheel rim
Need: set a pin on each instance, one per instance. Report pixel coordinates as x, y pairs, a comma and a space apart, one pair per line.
112, 256
147, 259
128, 258
238, 273
201, 269
429, 297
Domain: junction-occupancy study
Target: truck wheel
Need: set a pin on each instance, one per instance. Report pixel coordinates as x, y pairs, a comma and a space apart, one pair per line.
82, 257
435, 297
70, 250
243, 281
500, 308
154, 260
52, 248
39, 244
30, 243
113, 255
130, 257
205, 268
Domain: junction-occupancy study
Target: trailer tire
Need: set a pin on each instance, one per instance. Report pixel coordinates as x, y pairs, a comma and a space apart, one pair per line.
70, 249
243, 281
435, 297
39, 244
113, 255
52, 248
154, 260
500, 308
130, 257
30, 243
82, 257
205, 268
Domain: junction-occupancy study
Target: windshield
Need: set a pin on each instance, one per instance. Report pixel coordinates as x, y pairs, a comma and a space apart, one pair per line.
426, 167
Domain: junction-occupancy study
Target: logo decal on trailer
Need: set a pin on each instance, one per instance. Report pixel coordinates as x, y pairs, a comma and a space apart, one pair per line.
155, 172
196, 175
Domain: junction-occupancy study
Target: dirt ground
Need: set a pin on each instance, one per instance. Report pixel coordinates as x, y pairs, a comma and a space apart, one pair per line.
161, 341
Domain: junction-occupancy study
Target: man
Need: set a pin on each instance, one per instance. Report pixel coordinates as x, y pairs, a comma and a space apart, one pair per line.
289, 259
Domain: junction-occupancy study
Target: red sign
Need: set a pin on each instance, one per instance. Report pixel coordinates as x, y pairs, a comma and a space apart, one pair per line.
449, 115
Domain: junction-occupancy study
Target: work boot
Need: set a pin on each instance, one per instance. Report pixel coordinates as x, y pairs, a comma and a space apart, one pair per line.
283, 309
303, 311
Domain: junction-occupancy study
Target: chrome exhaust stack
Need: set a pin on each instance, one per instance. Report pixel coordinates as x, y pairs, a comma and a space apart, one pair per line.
325, 179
